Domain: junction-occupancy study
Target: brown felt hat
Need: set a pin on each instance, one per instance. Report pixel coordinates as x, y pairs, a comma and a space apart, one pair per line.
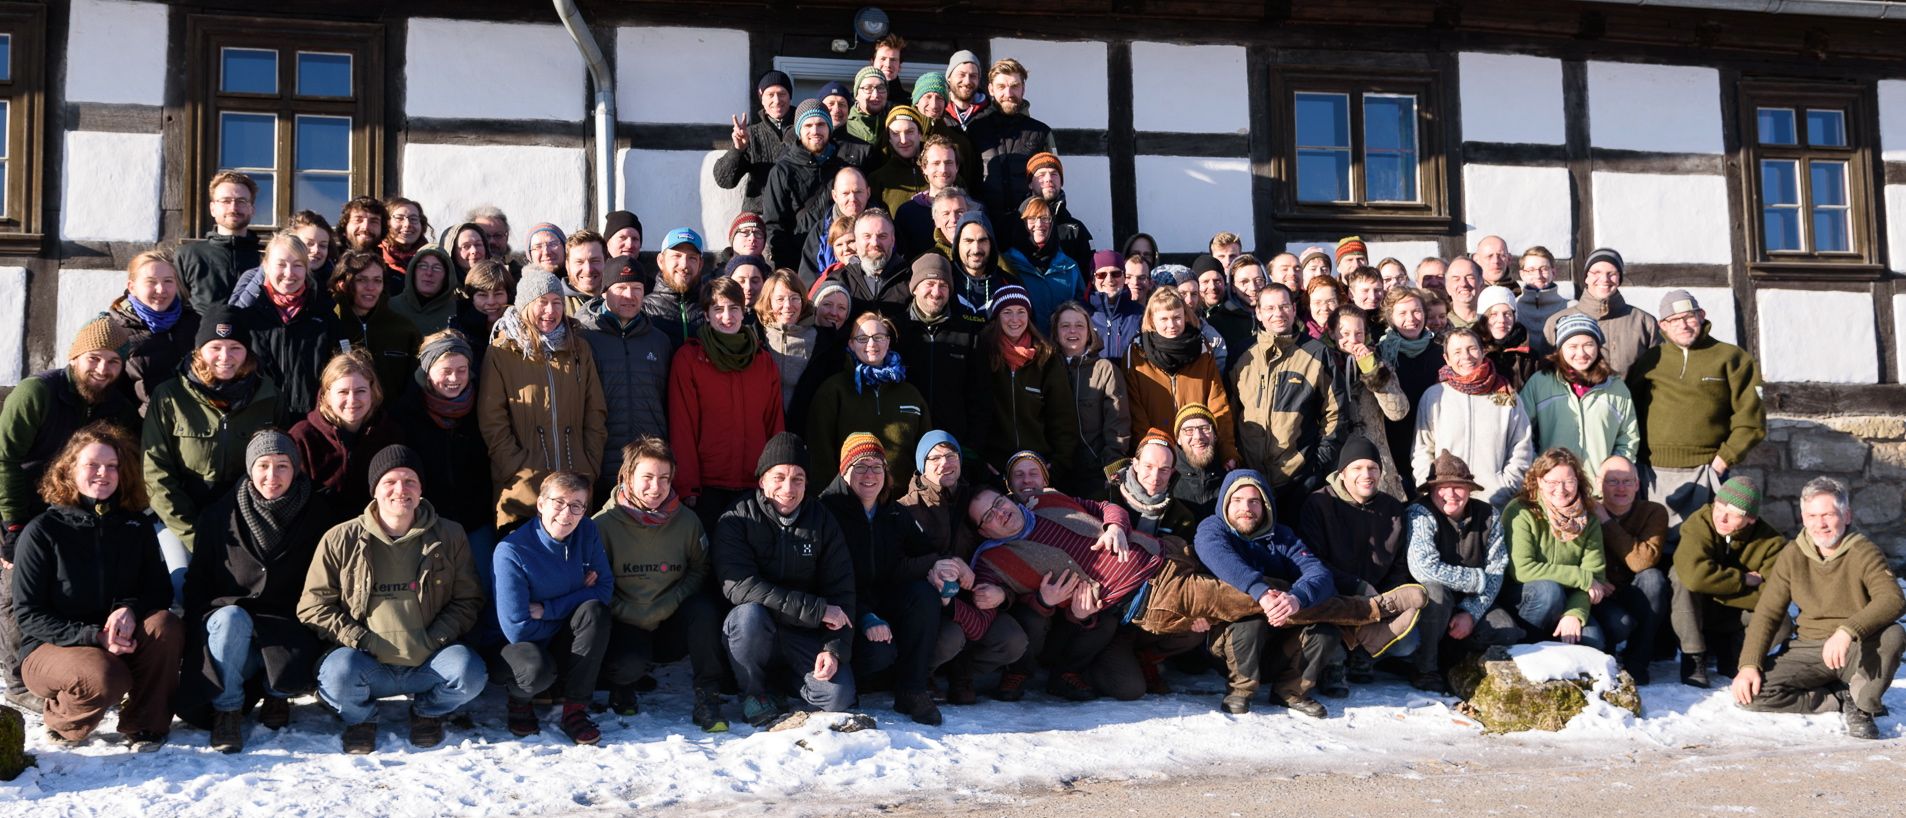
1450, 470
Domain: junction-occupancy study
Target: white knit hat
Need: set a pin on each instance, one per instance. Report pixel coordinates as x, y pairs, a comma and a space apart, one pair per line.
1493, 295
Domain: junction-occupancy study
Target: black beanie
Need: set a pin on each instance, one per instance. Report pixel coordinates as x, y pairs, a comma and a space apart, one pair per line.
396, 456
774, 78
1205, 263
626, 269
1358, 448
618, 219
784, 449
221, 324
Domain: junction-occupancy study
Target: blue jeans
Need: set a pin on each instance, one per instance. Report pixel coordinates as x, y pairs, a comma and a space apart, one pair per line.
228, 638
1634, 614
1540, 606
351, 682
756, 639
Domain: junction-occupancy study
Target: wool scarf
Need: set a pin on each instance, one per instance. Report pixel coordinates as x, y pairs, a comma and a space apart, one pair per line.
268, 520
1172, 354
1567, 522
1481, 381
157, 320
288, 305
647, 517
445, 412
1393, 345
225, 396
1148, 505
890, 371
728, 351
1017, 351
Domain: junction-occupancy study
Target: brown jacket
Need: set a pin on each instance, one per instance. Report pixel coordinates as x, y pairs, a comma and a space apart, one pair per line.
539, 415
1182, 594
1292, 413
1851, 591
1156, 396
1632, 541
337, 588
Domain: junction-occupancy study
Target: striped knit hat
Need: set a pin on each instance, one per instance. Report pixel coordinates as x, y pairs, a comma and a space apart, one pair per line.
1741, 493
932, 82
859, 445
1575, 323
1028, 454
1189, 412
1351, 244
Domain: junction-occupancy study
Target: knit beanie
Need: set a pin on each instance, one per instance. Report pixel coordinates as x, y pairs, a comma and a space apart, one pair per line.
396, 456
906, 112
773, 79
748, 260
962, 57
1608, 255
1676, 302
1155, 437
1358, 448
1741, 493
1206, 263
1314, 252
221, 324
784, 449
932, 82
628, 270
619, 219
862, 75
1192, 411
1009, 295
859, 445
1575, 323
1351, 244
1102, 259
743, 219
1170, 275
931, 267
271, 441
1028, 454
1044, 159
544, 227
428, 354
810, 108
537, 282
824, 286
101, 333
1494, 295
834, 89
928, 442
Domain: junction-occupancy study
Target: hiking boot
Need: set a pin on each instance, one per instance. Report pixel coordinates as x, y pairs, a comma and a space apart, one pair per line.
919, 707
1012, 687
1694, 670
760, 711
622, 701
360, 739
646, 684
275, 713
149, 741
1071, 687
1359, 668
1430, 681
1307, 706
1151, 667
425, 731
522, 719
960, 692
62, 742
228, 731
1236, 704
707, 713
577, 725
1859, 723
27, 700
1333, 684
1637, 668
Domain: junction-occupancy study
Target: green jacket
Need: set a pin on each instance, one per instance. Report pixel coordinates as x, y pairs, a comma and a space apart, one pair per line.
1717, 566
656, 568
1709, 397
1536, 554
195, 452
1596, 425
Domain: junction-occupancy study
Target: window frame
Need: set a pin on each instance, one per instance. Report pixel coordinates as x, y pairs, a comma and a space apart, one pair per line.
207, 36
22, 217
1432, 213
1861, 261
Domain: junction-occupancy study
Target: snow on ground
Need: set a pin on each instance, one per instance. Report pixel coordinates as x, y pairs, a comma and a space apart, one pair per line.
659, 760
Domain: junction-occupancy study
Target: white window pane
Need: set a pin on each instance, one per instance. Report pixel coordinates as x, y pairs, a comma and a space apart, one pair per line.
248, 71
323, 74
1826, 128
323, 143
1323, 120
1323, 175
1776, 126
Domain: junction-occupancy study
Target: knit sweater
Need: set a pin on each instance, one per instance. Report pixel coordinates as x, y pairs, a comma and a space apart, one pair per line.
1478, 584
1852, 590
1697, 402
1116, 580
1537, 554
1633, 543
1717, 565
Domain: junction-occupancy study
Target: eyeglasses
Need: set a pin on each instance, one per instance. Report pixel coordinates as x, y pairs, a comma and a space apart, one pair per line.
565, 507
941, 457
1556, 485
864, 340
1106, 275
1539, 268
230, 201
864, 469
1000, 507
1200, 430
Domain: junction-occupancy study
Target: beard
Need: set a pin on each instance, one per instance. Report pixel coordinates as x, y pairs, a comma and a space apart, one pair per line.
1007, 106
363, 243
871, 265
1201, 458
91, 392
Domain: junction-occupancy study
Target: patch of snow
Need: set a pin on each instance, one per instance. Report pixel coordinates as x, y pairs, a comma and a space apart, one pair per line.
1560, 661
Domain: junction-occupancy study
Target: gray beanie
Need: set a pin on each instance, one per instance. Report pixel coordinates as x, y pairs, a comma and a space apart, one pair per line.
1676, 302
271, 441
537, 282
962, 57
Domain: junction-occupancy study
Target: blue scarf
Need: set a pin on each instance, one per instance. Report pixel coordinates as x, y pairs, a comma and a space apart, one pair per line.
1028, 521
889, 372
155, 320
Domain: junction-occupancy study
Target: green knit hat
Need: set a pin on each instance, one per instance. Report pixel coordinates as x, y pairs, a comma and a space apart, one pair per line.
1741, 493
862, 75
932, 82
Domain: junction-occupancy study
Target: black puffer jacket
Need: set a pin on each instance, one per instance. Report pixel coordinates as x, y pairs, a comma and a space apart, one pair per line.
633, 363
889, 550
795, 569
1004, 142
678, 316
73, 568
293, 354
945, 363
152, 358
209, 269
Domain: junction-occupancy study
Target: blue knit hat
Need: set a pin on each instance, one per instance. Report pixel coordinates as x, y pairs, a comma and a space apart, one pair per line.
928, 442
834, 89
1575, 323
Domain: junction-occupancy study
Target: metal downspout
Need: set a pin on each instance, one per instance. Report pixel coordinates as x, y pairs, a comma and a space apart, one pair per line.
604, 81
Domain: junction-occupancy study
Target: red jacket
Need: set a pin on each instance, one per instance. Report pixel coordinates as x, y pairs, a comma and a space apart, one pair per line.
718, 422
339, 471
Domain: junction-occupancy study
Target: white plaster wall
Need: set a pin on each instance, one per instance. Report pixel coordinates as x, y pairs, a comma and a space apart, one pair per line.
124, 48
1511, 98
1892, 115
1663, 218
1717, 301
1899, 332
1794, 348
1189, 88
671, 189
463, 68
1525, 206
1183, 200
12, 325
112, 187
674, 75
1654, 107
84, 294
1896, 228
451, 179
1065, 81
1089, 197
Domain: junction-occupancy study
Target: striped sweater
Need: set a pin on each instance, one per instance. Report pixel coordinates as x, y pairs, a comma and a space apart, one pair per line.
1002, 567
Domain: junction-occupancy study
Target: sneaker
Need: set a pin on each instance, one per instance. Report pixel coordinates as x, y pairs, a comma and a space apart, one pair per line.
360, 739
1012, 687
228, 731
707, 713
1430, 681
149, 741
760, 711
425, 731
622, 701
1694, 670
1859, 723
1071, 687
522, 719
578, 726
1307, 706
960, 692
1333, 684
27, 700
274, 713
918, 706
1236, 704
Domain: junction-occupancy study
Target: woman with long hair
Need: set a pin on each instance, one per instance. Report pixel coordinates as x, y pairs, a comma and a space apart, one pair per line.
1414, 353
359, 286
1322, 296
1100, 402
337, 440
294, 329
1557, 568
406, 231
1576, 402
1030, 392
159, 325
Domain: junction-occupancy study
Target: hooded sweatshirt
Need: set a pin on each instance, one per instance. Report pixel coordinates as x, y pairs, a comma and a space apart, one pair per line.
1247, 560
976, 293
400, 599
531, 566
438, 311
659, 560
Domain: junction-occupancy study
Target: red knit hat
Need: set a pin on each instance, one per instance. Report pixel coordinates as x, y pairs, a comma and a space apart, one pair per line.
859, 445
745, 217
1044, 159
1351, 244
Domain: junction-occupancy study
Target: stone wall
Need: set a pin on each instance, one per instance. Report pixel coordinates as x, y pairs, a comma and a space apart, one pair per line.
1867, 452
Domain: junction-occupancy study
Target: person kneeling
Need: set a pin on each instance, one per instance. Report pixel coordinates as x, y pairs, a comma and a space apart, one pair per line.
553, 588
393, 589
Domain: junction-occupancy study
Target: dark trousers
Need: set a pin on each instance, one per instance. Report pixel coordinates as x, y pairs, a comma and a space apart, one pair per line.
912, 613
1003, 644
574, 654
1118, 671
1634, 614
9, 638
1061, 644
80, 683
1241, 645
757, 641
1496, 627
712, 503
1703, 625
694, 631
1800, 681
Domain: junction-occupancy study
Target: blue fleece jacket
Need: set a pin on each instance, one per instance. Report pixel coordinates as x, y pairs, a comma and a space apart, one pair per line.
1275, 552
532, 567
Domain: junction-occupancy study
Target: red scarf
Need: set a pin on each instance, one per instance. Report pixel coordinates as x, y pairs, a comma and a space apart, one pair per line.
1017, 351
445, 412
1482, 380
647, 518
288, 305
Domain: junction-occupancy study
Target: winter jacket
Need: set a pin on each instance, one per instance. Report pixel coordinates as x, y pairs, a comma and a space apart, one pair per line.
1004, 143
456, 473
1101, 406
1292, 414
1708, 402
1374, 399
795, 568
889, 550
427, 315
1494, 439
896, 413
195, 452
720, 421
1366, 540
945, 363
1117, 320
1537, 554
292, 354
1197, 487
885, 294
39, 417
391, 339
1596, 425
532, 566
1634, 542
75, 567
1852, 591
1236, 324
152, 358
1629, 330
1248, 562
1157, 395
895, 182
1533, 308
339, 462
1051, 277
538, 415
209, 268
1033, 409
1470, 558
765, 137
942, 517
678, 316
796, 178
339, 589
1717, 566
1512, 356
792, 348
632, 363
656, 569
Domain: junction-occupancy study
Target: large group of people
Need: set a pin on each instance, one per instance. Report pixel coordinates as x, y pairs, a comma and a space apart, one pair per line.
908, 431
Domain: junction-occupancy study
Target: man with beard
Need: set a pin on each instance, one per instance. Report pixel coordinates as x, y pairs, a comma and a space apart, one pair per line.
939, 340
1234, 317
754, 144
1006, 135
981, 273
1358, 531
1046, 177
847, 196
39, 417
361, 224
1198, 471
210, 268
496, 234
918, 218
1294, 413
965, 100
1130, 665
875, 278
805, 166
1462, 281
675, 305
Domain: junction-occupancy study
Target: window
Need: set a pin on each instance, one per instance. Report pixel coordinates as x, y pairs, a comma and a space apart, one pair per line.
297, 107
1808, 177
1359, 150
21, 29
